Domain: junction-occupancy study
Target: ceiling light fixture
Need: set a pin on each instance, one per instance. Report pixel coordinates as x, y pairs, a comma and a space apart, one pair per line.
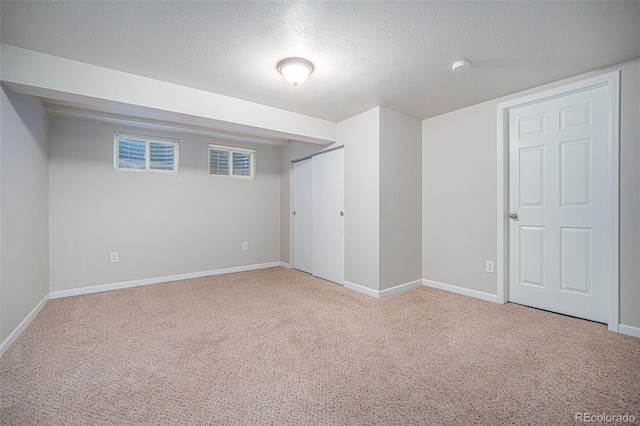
295, 70
461, 66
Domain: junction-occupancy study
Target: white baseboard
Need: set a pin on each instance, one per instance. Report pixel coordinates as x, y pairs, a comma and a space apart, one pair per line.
22, 326
158, 280
461, 290
382, 293
629, 330
365, 290
286, 265
400, 288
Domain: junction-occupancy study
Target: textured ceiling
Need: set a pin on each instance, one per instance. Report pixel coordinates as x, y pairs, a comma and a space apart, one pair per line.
395, 54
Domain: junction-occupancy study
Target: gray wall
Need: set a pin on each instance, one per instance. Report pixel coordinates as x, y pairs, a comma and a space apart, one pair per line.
159, 224
459, 193
360, 136
459, 197
24, 213
400, 199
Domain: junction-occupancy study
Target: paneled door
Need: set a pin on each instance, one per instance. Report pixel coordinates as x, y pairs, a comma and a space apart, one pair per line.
328, 216
302, 216
559, 202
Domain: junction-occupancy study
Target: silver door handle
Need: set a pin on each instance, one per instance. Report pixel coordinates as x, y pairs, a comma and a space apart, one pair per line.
513, 215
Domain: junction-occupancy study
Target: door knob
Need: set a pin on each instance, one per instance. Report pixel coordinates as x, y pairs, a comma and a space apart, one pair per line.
341, 213
513, 215
294, 213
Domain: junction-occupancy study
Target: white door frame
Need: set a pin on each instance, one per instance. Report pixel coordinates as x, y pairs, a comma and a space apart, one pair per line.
612, 82
294, 217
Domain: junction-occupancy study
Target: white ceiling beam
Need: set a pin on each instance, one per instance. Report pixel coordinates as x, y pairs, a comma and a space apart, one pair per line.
106, 90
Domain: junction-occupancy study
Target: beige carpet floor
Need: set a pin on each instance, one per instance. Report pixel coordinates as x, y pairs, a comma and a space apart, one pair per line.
281, 347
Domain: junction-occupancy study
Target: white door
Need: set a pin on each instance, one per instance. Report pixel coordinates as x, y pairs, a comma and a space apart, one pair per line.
302, 216
328, 216
559, 188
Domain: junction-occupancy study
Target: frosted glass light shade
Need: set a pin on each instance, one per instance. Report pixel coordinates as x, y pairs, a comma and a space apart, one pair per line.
295, 70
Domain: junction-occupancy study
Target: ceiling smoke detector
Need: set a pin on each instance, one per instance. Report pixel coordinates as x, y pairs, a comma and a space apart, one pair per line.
295, 70
461, 66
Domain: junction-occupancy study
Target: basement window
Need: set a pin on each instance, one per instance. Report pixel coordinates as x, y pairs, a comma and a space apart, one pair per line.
233, 162
145, 153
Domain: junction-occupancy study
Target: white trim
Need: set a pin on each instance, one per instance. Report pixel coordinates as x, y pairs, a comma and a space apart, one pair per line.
629, 330
610, 80
382, 293
22, 326
148, 140
315, 154
614, 212
233, 150
157, 280
502, 267
365, 290
461, 290
291, 253
400, 288
285, 265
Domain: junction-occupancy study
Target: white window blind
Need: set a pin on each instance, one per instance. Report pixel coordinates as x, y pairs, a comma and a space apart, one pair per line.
218, 161
241, 164
229, 161
145, 153
132, 154
161, 156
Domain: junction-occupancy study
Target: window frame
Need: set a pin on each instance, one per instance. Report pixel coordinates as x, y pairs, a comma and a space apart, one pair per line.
148, 140
231, 150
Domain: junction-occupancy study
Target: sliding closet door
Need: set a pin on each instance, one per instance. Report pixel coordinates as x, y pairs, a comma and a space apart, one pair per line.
328, 216
302, 216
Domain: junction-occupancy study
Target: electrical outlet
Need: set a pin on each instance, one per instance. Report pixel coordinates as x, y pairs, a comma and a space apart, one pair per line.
114, 256
245, 245
489, 267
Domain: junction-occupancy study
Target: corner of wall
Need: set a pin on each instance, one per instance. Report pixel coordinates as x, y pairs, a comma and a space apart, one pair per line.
400, 199
360, 136
24, 222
